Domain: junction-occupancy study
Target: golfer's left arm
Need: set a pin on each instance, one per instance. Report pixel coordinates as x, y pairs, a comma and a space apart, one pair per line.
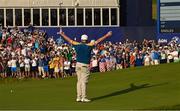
68, 39
101, 39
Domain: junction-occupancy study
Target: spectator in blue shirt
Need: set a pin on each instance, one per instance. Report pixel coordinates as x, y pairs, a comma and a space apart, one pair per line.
155, 57
41, 65
139, 60
46, 68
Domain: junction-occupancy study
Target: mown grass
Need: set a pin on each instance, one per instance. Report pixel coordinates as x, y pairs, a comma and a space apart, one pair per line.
154, 87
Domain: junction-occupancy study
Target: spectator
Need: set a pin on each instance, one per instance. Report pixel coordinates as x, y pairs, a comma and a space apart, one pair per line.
46, 67
139, 60
61, 65
132, 59
56, 66
34, 67
27, 66
163, 57
41, 66
113, 62
147, 60
73, 67
170, 58
22, 66
14, 67
108, 62
51, 68
119, 62
155, 57
67, 67
94, 65
9, 72
17, 46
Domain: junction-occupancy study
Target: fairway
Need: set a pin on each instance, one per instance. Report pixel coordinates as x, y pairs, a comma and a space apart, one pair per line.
155, 87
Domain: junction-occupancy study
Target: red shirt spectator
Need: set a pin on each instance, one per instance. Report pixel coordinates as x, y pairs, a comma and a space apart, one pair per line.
132, 60
9, 40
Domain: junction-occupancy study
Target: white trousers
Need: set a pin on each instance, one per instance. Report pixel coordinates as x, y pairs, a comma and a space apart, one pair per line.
83, 73
41, 71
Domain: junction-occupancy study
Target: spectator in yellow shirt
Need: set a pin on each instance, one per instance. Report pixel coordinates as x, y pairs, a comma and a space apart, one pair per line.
56, 66
51, 68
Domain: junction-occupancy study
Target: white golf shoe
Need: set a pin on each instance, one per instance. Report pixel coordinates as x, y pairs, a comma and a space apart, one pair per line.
78, 100
85, 100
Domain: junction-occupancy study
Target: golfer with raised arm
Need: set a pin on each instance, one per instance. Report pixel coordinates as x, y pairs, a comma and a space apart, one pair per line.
83, 51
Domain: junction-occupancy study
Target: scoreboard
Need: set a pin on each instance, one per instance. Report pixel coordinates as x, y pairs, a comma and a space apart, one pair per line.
169, 16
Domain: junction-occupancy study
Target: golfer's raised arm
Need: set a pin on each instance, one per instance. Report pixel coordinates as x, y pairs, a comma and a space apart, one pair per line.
103, 38
68, 39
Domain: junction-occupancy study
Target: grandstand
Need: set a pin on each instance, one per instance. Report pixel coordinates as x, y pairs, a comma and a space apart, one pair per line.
93, 17
53, 13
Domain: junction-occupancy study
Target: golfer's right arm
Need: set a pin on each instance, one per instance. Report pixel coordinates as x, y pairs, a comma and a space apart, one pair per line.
68, 39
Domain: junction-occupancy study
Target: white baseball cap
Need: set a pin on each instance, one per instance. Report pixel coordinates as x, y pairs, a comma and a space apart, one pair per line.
84, 37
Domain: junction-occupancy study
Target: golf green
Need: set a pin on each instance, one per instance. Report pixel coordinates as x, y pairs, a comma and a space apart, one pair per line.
154, 87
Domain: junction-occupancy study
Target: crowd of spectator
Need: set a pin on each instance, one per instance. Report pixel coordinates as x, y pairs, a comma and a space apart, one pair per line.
31, 53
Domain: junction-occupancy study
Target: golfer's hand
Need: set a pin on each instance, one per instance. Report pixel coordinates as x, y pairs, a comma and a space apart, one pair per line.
109, 33
62, 33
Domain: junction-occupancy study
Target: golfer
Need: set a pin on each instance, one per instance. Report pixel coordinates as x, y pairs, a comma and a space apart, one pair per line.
83, 51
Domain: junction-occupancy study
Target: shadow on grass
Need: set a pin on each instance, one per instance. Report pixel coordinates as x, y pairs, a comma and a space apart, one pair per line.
174, 107
131, 89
